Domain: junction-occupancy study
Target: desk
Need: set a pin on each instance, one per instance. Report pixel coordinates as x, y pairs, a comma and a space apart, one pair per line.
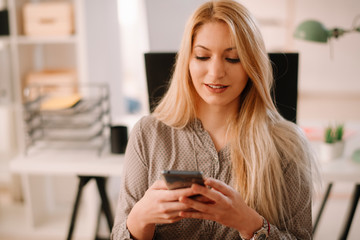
340, 170
343, 169
52, 162
70, 163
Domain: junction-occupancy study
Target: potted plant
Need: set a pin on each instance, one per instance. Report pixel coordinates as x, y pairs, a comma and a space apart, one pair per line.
333, 145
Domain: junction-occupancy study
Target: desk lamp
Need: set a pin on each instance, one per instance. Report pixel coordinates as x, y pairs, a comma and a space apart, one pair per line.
315, 31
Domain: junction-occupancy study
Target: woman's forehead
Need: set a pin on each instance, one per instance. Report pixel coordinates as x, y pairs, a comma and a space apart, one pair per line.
214, 34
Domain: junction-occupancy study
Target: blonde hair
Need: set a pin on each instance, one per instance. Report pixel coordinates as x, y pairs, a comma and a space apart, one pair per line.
258, 161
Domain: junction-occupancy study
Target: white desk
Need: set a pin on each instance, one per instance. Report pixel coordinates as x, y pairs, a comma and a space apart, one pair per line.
52, 162
37, 169
343, 169
85, 163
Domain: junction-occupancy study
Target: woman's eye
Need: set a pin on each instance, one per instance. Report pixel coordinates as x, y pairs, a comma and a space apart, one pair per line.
233, 60
202, 58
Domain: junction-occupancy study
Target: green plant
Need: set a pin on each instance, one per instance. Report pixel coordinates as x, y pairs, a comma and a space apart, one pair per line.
334, 134
339, 132
329, 136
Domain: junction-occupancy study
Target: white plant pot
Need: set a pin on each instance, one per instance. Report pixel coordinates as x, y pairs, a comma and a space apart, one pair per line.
331, 151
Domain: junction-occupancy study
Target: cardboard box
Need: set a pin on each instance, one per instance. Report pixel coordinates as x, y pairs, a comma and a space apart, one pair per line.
51, 77
48, 18
50, 82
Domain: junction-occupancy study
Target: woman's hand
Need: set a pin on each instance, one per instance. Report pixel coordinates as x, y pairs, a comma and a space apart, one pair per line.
226, 207
158, 205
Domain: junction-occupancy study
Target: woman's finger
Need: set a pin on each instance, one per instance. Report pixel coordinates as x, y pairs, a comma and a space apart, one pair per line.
220, 186
201, 198
174, 195
211, 193
196, 205
171, 195
172, 208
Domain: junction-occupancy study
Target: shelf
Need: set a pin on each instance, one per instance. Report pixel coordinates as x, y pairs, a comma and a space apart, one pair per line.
26, 40
4, 40
82, 124
82, 107
65, 122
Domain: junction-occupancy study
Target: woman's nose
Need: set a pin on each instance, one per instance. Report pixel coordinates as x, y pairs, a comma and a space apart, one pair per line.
217, 68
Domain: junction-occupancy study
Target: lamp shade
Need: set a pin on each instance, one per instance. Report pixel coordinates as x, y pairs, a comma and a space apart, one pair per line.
311, 30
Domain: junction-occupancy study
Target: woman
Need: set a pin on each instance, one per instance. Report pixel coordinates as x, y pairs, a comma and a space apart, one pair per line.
218, 117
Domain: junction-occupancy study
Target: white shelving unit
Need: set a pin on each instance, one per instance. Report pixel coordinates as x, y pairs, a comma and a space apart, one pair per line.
93, 51
29, 54
46, 210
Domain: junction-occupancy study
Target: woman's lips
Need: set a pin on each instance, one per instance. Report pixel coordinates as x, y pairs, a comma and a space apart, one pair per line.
216, 88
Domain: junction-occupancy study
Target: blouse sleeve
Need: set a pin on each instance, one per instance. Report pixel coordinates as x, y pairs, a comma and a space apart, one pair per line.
299, 204
134, 183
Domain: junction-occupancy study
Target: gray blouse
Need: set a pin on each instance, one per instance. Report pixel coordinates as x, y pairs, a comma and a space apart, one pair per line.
154, 147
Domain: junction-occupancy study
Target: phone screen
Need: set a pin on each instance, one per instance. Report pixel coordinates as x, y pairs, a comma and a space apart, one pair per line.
182, 179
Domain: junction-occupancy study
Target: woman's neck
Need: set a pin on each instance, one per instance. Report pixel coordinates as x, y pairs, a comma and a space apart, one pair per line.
215, 121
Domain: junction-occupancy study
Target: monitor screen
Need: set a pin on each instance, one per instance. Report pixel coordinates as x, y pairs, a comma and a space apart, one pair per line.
159, 67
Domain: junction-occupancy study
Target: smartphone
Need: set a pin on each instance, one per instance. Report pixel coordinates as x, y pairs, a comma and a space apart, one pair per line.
182, 179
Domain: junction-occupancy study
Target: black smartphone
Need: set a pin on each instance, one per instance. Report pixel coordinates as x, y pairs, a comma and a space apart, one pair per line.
182, 179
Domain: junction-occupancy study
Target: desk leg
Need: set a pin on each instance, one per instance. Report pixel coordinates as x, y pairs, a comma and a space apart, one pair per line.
105, 204
83, 182
351, 212
326, 196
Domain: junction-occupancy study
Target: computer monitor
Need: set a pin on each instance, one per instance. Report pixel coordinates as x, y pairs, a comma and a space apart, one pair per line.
159, 67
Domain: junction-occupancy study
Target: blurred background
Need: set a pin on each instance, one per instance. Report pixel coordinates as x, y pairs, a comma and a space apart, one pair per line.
103, 42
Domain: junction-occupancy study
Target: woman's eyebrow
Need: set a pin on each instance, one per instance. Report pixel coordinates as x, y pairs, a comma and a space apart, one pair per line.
230, 49
203, 47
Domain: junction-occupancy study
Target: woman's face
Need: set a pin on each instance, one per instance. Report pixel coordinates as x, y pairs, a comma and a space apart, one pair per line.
215, 68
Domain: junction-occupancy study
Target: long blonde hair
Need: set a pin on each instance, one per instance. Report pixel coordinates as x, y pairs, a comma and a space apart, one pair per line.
261, 140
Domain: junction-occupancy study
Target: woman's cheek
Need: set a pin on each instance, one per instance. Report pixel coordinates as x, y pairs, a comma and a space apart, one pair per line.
196, 70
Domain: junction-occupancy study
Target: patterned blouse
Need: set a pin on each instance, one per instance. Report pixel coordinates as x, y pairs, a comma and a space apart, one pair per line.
154, 147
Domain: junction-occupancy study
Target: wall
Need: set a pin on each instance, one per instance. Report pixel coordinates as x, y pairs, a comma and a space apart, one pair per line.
339, 73
103, 49
330, 85
166, 21
133, 44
